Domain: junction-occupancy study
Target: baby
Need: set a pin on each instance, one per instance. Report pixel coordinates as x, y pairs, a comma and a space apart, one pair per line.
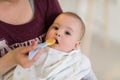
63, 60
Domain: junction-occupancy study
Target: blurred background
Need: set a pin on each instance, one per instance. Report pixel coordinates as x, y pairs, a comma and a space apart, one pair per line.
102, 39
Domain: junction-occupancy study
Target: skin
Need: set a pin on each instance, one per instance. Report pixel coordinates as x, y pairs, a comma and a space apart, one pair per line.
66, 31
18, 56
10, 12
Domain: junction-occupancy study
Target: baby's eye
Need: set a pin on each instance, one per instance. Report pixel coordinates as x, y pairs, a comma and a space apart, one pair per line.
67, 33
55, 28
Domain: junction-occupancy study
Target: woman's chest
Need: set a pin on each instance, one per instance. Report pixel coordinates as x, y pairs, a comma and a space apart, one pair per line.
15, 13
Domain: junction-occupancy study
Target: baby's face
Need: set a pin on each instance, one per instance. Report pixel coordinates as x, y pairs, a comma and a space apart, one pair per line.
66, 31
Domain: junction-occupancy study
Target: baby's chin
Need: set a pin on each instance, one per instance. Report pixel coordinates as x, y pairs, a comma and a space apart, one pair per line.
60, 49
53, 46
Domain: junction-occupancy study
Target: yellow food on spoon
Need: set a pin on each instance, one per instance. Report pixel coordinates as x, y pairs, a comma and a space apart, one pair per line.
50, 41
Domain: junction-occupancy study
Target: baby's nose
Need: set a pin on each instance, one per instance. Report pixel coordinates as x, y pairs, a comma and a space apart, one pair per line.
58, 33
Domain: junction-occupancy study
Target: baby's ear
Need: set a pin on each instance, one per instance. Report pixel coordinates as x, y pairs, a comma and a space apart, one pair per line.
77, 44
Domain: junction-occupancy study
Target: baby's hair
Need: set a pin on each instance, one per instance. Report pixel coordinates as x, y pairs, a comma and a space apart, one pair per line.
79, 18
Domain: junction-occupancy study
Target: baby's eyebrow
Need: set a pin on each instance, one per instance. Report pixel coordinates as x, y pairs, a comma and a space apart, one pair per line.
69, 28
56, 24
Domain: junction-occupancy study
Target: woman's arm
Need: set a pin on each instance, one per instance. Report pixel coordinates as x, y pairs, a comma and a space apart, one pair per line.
6, 62
18, 56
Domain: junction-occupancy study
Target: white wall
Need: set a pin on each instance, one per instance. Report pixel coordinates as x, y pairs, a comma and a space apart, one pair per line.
105, 61
114, 23
80, 7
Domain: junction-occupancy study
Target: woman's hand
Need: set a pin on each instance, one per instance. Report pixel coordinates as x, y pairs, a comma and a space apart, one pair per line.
20, 55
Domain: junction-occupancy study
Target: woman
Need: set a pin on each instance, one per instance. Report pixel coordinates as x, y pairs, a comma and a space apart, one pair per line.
23, 23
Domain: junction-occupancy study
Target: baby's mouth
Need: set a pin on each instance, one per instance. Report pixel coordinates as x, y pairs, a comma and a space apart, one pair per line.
56, 41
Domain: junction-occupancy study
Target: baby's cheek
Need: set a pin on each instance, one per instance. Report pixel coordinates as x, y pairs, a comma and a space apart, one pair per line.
67, 47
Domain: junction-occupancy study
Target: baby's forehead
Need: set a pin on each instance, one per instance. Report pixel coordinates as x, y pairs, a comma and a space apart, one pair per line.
73, 19
76, 17
79, 21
